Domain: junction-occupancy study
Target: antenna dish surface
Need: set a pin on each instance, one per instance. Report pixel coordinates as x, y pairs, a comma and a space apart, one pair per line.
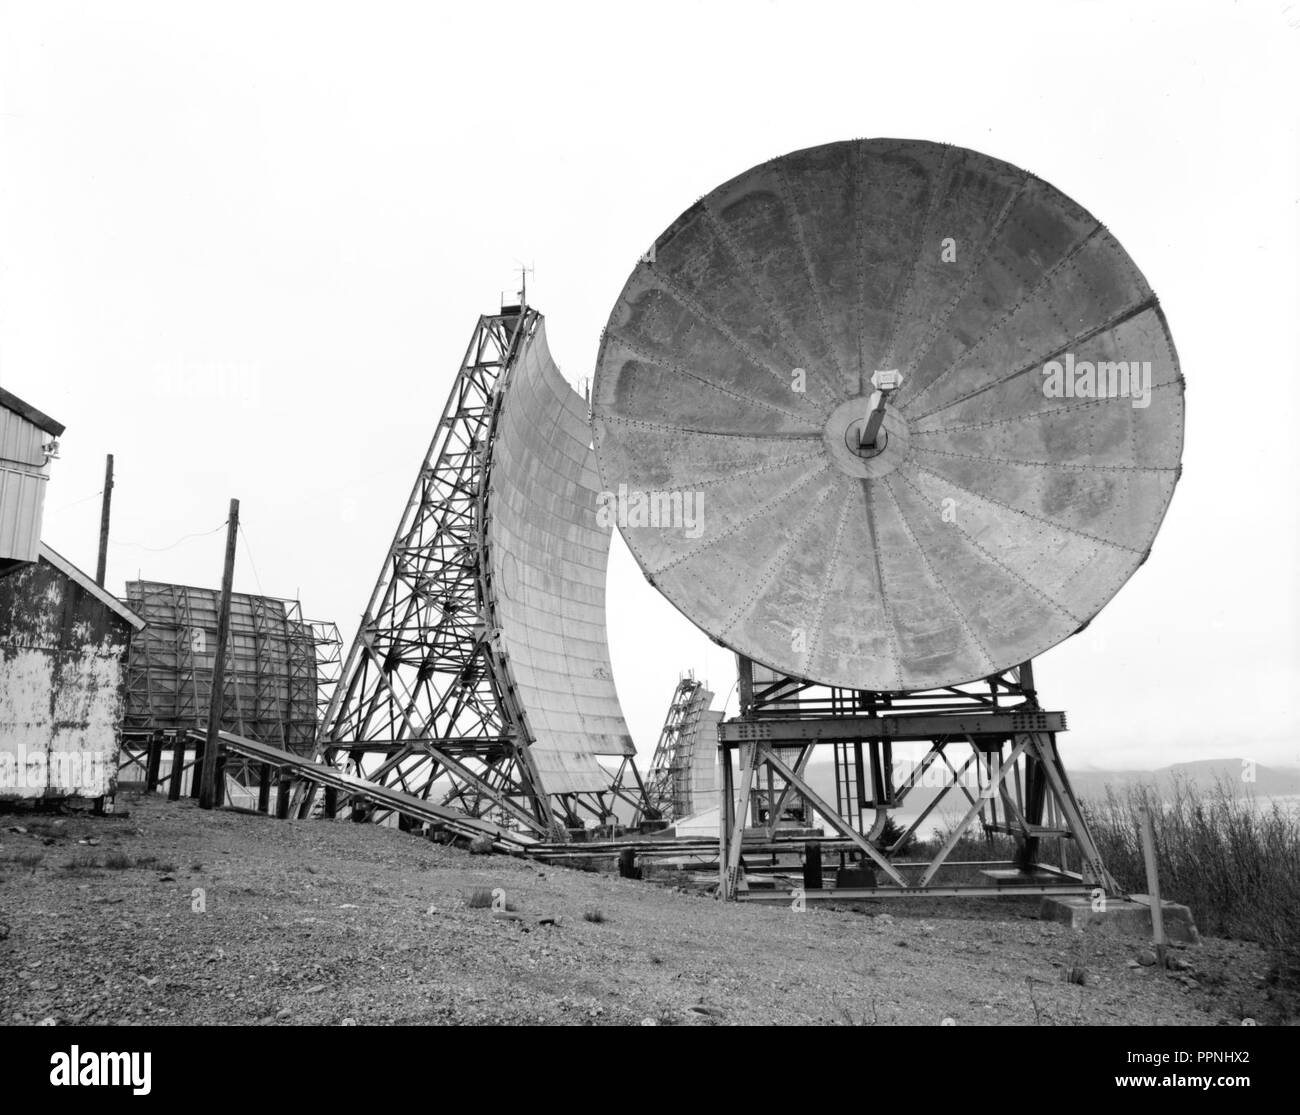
1018, 468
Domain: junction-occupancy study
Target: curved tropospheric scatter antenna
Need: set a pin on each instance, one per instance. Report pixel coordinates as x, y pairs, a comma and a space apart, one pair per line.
888, 414
548, 554
682, 779
479, 678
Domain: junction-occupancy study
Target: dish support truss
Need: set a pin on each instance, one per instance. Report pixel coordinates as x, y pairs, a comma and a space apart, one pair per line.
989, 743
426, 703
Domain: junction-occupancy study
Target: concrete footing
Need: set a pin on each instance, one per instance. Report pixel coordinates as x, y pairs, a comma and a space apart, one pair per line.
1124, 917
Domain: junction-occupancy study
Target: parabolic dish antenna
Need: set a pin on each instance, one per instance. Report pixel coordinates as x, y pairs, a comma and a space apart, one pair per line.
981, 508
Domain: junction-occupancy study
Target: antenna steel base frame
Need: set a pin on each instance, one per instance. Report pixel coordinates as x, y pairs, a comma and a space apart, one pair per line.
1012, 779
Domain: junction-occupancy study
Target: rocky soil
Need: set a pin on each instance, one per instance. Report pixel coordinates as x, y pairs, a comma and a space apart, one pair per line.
173, 915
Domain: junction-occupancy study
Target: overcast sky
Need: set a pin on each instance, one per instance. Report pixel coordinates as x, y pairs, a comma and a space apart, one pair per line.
242, 247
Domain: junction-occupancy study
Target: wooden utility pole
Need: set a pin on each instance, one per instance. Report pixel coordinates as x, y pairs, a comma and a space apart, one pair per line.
102, 567
208, 795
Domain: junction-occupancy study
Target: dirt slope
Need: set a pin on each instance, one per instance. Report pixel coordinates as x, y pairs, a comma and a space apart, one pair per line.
327, 923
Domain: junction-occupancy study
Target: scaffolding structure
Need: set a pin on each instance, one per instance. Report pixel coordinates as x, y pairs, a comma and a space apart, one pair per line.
279, 670
328, 646
271, 673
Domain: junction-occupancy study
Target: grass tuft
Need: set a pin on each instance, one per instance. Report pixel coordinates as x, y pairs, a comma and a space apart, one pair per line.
1235, 863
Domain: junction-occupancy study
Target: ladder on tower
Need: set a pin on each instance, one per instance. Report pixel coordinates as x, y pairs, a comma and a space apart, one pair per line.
848, 786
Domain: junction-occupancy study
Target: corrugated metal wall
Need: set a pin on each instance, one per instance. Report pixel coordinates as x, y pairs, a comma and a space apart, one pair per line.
62, 686
23, 477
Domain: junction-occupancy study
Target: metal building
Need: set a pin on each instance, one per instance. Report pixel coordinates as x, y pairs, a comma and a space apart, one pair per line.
63, 649
26, 447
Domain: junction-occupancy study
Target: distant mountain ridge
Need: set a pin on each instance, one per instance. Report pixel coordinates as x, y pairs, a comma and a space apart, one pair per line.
1259, 780
1268, 782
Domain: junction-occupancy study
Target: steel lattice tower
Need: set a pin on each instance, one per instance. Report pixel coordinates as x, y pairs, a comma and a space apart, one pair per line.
670, 788
425, 703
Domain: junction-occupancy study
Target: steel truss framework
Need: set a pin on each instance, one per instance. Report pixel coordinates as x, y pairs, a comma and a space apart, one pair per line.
625, 785
280, 671
426, 703
668, 788
1012, 780
328, 645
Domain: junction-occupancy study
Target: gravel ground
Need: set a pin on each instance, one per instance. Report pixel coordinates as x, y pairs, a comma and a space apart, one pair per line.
329, 923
